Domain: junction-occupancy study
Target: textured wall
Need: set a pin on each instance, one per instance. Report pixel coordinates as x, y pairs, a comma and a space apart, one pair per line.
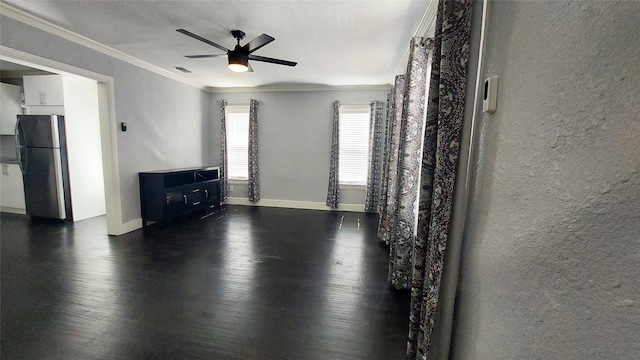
551, 259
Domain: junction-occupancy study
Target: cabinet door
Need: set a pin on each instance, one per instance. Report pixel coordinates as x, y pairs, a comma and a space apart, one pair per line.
52, 85
9, 108
12, 188
43, 90
32, 89
176, 202
212, 193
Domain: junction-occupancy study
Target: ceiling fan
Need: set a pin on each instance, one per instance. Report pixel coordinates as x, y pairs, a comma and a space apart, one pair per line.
239, 57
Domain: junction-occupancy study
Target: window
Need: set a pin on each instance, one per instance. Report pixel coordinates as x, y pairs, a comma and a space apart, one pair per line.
238, 141
354, 144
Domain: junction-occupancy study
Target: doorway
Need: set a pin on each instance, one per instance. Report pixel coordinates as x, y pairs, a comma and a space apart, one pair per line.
108, 139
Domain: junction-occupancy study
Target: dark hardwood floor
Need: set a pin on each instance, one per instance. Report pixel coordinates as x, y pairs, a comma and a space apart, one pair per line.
245, 283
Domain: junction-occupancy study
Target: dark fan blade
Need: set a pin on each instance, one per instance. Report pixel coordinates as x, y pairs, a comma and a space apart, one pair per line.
271, 60
204, 56
257, 43
197, 37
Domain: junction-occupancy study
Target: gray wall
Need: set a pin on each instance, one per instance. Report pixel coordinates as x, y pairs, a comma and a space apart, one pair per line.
160, 112
295, 127
551, 257
294, 133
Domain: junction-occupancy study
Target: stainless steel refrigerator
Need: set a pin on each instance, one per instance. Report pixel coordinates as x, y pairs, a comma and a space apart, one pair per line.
42, 156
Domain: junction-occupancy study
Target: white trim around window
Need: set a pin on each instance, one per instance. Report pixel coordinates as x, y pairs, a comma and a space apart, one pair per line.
353, 165
237, 117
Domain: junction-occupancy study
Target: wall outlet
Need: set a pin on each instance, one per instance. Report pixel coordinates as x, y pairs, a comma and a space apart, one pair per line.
230, 187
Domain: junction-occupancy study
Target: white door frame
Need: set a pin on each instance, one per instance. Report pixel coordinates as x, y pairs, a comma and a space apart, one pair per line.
108, 129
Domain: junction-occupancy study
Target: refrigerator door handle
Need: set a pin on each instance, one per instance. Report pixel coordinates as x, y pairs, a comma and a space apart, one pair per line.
55, 134
18, 134
59, 185
22, 160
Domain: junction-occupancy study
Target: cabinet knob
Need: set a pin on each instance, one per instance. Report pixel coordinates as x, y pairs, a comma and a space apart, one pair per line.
185, 199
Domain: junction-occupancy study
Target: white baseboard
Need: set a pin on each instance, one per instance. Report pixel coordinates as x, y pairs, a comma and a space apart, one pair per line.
136, 224
132, 225
13, 210
292, 204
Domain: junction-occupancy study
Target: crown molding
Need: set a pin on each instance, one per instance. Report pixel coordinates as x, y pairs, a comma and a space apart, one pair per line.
300, 87
426, 23
425, 29
38, 23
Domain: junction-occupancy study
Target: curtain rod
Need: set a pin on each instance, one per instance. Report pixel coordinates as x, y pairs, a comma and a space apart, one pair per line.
361, 103
238, 102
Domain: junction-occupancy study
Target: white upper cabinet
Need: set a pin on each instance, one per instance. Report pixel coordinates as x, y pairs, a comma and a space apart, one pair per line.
43, 90
9, 108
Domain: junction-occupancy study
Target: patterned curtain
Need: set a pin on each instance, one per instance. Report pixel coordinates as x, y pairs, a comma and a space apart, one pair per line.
409, 161
386, 221
384, 178
376, 152
254, 173
440, 157
224, 177
333, 192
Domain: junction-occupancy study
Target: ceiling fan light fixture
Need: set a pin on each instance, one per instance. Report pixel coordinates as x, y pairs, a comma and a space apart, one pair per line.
238, 68
238, 62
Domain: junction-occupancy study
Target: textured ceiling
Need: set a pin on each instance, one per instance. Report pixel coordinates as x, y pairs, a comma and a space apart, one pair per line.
334, 42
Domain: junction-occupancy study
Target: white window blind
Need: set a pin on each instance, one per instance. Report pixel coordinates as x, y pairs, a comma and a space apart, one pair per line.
354, 144
237, 142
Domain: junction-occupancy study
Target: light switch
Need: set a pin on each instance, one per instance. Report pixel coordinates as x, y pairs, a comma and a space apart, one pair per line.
490, 95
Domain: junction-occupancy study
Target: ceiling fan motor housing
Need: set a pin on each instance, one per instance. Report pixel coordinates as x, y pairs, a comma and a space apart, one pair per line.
237, 56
